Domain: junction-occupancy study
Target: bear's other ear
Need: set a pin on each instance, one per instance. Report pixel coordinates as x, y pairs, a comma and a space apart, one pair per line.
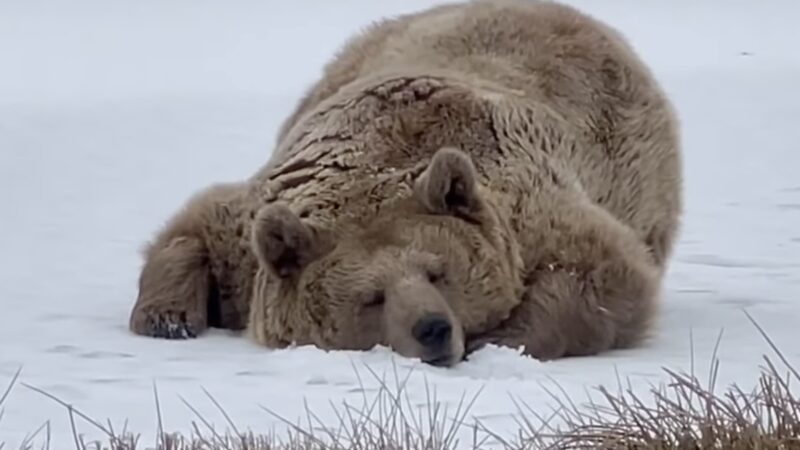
282, 242
449, 185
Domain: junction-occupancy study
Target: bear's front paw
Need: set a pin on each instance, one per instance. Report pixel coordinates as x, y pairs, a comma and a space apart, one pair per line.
476, 343
166, 324
541, 346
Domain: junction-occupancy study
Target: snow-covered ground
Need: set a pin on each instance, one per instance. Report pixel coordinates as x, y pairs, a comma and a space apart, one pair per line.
113, 112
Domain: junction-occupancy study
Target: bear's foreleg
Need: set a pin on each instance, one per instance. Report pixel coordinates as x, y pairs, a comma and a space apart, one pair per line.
591, 286
570, 313
174, 289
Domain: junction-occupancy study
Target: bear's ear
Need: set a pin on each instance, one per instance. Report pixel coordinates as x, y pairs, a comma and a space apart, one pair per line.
281, 241
449, 185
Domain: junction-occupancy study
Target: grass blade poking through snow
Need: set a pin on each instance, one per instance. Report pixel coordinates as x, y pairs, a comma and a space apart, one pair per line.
7, 392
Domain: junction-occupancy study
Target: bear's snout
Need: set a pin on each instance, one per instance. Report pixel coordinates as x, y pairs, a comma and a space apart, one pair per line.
434, 332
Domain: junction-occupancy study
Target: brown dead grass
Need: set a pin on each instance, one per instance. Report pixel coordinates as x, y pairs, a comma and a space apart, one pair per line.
681, 414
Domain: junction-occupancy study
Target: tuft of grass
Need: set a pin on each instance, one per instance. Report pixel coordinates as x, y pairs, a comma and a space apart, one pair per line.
687, 415
681, 414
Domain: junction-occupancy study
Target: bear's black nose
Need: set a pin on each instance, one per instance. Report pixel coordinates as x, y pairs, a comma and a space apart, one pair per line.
433, 331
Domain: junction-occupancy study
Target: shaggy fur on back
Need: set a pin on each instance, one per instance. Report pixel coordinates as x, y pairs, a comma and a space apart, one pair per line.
576, 158
547, 62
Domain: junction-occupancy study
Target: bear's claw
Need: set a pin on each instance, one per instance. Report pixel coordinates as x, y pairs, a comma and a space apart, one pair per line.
169, 325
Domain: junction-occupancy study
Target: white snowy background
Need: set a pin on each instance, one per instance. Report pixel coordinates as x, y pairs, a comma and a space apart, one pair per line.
113, 112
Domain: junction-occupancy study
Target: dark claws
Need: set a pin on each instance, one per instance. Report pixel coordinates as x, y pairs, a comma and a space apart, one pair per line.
167, 326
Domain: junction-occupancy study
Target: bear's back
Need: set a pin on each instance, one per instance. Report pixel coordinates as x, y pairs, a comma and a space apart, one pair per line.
551, 52
559, 59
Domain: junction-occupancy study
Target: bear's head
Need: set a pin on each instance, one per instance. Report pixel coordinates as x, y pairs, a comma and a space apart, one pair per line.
419, 276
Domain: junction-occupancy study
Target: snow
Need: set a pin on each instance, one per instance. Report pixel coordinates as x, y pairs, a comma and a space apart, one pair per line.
113, 112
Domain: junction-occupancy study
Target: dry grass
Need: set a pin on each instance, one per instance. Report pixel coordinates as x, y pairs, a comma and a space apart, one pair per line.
682, 414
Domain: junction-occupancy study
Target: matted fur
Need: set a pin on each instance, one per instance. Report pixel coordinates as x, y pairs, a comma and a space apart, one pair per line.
555, 221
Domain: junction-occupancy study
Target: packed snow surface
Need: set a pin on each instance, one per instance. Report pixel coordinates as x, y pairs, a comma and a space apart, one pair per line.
113, 112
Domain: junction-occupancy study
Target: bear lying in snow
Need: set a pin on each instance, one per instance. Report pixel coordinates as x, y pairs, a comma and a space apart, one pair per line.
500, 171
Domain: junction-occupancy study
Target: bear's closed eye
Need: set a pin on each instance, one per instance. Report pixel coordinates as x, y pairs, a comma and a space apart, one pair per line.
435, 276
378, 298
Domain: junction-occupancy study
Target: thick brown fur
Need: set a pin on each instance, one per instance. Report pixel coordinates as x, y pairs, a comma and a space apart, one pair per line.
510, 166
198, 268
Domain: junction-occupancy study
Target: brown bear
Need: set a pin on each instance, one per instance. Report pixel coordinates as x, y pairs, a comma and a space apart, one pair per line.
503, 171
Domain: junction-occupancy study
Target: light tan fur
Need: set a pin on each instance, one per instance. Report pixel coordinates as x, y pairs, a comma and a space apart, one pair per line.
518, 150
